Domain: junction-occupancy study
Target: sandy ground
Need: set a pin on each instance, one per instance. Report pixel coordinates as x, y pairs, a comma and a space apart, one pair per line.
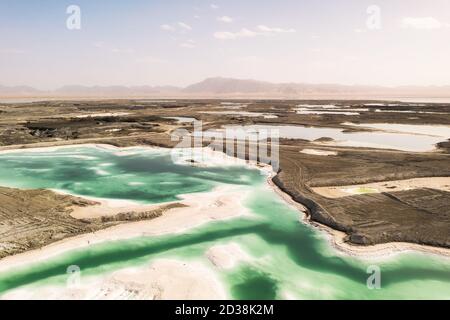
220, 204
317, 152
105, 114
375, 252
226, 256
160, 280
427, 130
173, 279
243, 113
379, 251
55, 146
439, 183
110, 207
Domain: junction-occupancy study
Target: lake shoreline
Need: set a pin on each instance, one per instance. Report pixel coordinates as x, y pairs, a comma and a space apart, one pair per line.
336, 238
228, 205
174, 221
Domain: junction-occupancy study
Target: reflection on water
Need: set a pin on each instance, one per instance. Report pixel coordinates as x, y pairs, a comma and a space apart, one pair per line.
384, 140
431, 130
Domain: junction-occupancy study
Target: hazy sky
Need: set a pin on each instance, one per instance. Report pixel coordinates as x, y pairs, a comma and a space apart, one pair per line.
179, 42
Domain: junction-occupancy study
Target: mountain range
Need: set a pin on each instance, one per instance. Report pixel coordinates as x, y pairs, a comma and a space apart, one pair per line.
232, 88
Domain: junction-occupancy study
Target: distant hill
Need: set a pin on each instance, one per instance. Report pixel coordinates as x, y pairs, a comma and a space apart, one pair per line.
236, 86
114, 91
18, 91
229, 85
233, 88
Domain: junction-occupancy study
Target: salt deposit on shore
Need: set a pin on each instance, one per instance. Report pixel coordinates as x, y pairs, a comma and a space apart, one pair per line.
105, 114
160, 280
226, 256
439, 183
318, 152
220, 204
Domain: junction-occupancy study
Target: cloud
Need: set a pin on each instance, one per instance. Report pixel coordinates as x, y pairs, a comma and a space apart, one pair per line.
214, 6
167, 27
243, 33
184, 26
225, 19
267, 29
179, 26
247, 33
422, 23
189, 44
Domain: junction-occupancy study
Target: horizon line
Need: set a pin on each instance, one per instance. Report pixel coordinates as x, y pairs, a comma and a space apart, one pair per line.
130, 86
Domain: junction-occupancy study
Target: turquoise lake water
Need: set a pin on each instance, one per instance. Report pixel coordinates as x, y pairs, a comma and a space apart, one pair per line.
288, 257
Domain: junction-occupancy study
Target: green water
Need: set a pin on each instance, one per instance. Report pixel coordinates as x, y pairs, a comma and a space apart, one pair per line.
142, 175
288, 258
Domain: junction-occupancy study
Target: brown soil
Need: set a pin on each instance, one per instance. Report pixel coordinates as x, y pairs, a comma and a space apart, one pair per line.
418, 216
31, 219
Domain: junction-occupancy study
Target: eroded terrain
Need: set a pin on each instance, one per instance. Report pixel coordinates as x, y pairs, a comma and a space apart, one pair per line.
419, 214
